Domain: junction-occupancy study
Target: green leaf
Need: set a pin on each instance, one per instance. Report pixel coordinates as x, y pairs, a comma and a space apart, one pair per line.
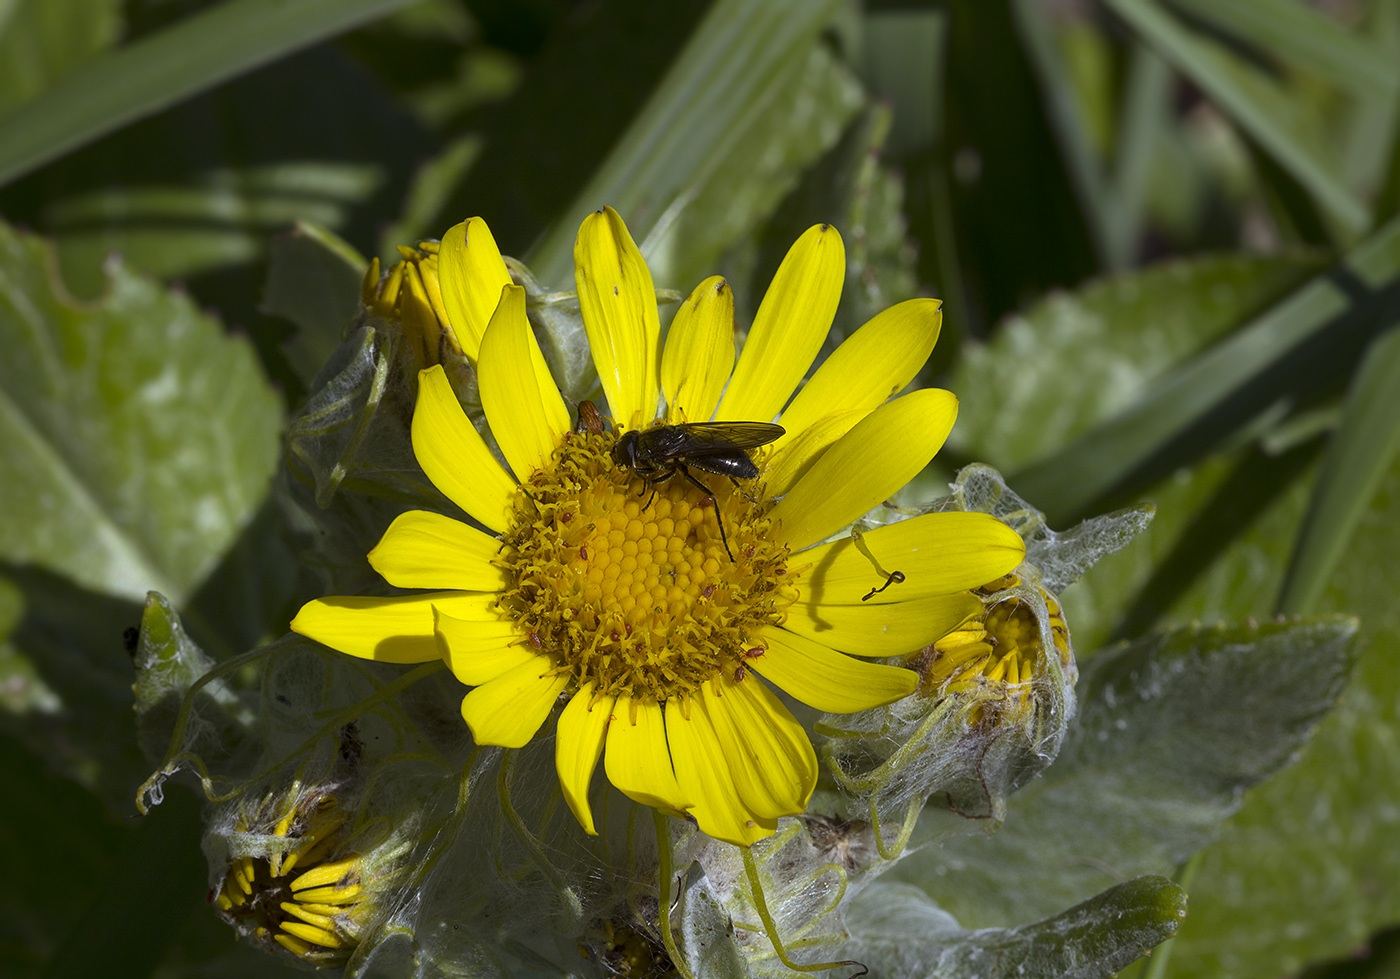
1170, 731
1257, 104
204, 210
40, 42
1293, 346
732, 69
706, 935
89, 734
160, 70
1216, 550
22, 689
896, 930
137, 438
313, 280
1307, 869
1358, 457
1074, 360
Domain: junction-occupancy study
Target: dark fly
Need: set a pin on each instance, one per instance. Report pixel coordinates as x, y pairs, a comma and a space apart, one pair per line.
654, 455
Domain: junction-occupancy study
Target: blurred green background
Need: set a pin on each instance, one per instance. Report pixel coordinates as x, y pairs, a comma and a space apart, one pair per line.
1165, 233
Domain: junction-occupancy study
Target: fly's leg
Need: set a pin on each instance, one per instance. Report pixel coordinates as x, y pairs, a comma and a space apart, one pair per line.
718, 519
743, 492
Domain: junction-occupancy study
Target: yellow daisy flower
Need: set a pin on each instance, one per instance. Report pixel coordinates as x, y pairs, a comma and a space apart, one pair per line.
661, 611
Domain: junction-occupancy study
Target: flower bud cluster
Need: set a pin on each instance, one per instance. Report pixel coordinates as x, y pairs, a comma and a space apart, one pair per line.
995, 695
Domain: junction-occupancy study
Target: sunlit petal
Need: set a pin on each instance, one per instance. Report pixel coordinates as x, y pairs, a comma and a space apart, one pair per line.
699, 352
787, 332
825, 679
638, 761
454, 456
770, 756
882, 630
422, 549
873, 365
479, 650
389, 630
937, 553
583, 725
618, 301
866, 467
522, 404
703, 773
471, 274
511, 708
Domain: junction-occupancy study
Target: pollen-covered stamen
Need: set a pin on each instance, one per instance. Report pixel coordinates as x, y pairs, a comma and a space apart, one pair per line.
633, 589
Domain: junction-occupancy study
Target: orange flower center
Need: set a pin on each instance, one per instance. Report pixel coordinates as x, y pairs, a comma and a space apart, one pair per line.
629, 584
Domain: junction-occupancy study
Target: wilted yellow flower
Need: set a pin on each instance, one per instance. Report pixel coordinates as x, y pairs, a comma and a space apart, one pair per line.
297, 896
998, 654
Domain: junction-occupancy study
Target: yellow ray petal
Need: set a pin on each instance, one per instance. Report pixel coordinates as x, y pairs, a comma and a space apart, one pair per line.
294, 945
388, 630
618, 301
699, 352
310, 917
312, 934
791, 324
478, 651
937, 553
866, 467
432, 285
882, 630
791, 462
471, 274
341, 877
637, 760
830, 681
511, 708
770, 757
427, 550
453, 455
703, 773
523, 406
582, 726
873, 365
416, 308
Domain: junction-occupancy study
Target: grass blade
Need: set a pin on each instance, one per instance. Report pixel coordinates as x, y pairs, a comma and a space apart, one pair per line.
1307, 38
1358, 456
1255, 103
1185, 412
165, 68
724, 76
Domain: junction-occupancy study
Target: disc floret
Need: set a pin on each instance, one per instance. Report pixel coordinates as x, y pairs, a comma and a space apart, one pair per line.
629, 585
